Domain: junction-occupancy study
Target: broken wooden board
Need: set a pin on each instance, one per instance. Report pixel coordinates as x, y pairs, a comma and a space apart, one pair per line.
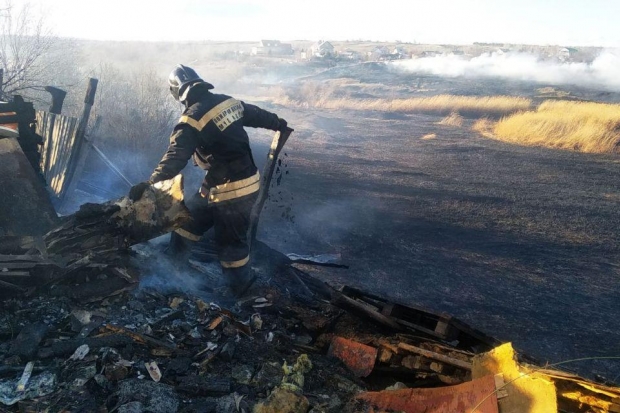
411, 356
439, 325
25, 208
574, 392
465, 365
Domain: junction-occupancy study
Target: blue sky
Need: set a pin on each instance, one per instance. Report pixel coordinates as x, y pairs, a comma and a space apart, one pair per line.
567, 22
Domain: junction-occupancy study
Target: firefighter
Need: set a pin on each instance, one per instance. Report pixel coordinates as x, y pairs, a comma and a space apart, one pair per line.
211, 130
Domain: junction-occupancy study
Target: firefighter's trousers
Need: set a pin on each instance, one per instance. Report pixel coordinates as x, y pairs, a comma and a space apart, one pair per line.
230, 221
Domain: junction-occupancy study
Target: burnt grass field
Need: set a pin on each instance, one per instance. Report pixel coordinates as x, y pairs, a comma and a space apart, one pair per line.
519, 242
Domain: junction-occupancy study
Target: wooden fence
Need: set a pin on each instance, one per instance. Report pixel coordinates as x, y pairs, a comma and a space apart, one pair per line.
58, 154
64, 150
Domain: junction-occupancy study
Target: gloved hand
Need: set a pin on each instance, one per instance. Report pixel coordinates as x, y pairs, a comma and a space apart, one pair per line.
137, 190
282, 125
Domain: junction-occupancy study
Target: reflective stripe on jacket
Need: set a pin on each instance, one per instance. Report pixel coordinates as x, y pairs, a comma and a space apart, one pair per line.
213, 124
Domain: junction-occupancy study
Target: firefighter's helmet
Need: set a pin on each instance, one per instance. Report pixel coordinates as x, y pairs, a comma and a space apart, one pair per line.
181, 78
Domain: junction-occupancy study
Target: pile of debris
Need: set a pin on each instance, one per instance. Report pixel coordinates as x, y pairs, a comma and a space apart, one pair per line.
295, 345
148, 352
91, 245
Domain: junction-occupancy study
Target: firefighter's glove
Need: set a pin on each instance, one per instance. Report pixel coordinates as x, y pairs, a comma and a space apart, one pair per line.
282, 125
137, 190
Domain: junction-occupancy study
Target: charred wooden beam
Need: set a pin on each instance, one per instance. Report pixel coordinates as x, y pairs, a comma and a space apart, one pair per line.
436, 356
438, 325
201, 386
80, 149
342, 301
64, 348
144, 339
58, 98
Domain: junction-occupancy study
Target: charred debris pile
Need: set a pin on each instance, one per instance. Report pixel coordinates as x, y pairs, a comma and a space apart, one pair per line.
281, 349
79, 334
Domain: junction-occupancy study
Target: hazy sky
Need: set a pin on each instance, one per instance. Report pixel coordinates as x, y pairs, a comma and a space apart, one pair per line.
564, 22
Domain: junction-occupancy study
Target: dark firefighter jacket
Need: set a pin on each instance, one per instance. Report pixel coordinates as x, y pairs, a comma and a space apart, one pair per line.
211, 129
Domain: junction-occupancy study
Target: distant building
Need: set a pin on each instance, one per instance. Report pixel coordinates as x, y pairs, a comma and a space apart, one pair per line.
272, 48
564, 54
430, 53
350, 55
400, 51
379, 53
322, 48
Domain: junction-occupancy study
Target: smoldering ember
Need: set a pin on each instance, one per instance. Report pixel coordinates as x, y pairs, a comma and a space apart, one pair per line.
412, 228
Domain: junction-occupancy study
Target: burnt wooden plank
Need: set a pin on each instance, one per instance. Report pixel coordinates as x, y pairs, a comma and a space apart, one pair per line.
342, 301
435, 356
145, 339
18, 274
63, 348
5, 267
22, 245
419, 328
24, 257
440, 325
80, 149
12, 287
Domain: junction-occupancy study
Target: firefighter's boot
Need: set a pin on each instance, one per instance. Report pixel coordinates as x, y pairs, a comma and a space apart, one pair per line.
179, 248
239, 280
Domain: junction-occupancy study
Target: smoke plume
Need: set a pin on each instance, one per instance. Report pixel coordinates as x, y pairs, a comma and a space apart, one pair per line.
601, 74
163, 274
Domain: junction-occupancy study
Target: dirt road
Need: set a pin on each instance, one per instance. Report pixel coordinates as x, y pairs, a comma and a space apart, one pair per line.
522, 243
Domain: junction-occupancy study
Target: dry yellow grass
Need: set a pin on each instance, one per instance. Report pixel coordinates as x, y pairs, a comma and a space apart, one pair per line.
429, 136
437, 105
453, 119
484, 126
552, 92
581, 126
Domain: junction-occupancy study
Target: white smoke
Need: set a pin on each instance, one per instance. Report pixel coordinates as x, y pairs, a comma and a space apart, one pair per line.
603, 73
162, 273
